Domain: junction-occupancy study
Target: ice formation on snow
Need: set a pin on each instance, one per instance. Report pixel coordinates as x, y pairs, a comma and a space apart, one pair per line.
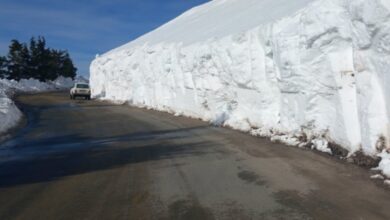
305, 72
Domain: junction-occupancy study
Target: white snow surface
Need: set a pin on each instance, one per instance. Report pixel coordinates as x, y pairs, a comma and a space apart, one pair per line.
304, 72
9, 113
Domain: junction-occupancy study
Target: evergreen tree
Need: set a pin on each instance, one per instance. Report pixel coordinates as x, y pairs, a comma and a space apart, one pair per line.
34, 60
43, 59
15, 60
25, 62
3, 67
54, 64
67, 69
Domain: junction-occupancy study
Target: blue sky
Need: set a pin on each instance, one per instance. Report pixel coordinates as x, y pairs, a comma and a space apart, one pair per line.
85, 27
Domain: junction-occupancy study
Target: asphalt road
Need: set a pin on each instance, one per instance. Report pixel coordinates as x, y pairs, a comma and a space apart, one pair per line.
91, 160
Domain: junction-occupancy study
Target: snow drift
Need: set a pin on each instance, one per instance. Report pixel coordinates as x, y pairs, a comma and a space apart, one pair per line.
9, 113
305, 72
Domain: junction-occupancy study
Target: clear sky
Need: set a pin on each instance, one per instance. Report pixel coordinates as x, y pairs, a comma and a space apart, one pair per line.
85, 27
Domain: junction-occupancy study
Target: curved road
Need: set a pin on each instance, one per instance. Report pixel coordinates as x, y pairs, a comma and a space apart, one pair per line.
92, 160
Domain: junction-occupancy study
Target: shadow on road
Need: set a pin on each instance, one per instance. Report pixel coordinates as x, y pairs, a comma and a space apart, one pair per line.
52, 158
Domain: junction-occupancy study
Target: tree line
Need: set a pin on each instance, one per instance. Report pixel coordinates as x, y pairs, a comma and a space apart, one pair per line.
35, 60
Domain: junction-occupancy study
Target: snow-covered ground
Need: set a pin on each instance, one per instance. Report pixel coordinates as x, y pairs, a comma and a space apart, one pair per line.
9, 113
304, 72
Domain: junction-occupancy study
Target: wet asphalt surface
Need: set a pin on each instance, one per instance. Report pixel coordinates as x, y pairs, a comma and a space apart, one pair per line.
92, 160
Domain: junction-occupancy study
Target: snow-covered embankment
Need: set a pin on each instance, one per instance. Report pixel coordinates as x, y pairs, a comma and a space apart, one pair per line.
10, 115
304, 72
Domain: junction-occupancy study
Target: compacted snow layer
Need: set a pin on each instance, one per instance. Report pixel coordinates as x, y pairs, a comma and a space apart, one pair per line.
9, 113
303, 72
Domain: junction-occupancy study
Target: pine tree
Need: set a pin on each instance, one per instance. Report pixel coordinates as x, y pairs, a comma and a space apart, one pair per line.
43, 59
3, 67
15, 60
67, 69
25, 62
54, 64
34, 60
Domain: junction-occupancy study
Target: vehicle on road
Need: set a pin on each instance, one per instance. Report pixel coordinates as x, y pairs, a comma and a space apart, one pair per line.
80, 90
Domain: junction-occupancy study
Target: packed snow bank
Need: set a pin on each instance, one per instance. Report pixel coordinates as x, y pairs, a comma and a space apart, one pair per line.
9, 113
304, 72
33, 85
384, 165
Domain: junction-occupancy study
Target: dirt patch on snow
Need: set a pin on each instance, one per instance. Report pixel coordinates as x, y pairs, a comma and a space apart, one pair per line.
363, 160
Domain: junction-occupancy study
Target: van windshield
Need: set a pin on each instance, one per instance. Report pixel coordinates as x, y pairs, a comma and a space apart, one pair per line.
82, 86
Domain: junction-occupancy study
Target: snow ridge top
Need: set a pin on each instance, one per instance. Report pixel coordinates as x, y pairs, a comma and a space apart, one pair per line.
220, 18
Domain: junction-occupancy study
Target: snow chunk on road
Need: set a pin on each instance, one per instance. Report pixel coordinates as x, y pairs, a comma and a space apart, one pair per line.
305, 72
384, 165
377, 177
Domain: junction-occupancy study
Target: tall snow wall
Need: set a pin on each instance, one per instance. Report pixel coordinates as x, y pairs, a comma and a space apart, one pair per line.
302, 71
